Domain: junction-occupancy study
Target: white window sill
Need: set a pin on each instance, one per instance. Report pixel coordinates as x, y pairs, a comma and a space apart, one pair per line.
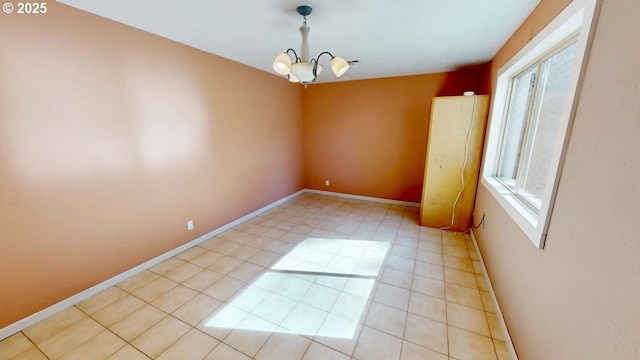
519, 212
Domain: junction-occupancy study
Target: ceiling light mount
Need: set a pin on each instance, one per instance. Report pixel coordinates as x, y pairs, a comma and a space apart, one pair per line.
302, 69
304, 10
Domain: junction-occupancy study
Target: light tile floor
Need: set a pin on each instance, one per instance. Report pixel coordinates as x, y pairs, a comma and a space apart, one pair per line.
316, 278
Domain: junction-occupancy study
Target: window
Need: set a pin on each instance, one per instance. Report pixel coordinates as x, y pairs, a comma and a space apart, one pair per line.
531, 125
531, 118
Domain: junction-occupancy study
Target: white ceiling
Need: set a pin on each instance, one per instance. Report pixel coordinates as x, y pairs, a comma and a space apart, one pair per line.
389, 38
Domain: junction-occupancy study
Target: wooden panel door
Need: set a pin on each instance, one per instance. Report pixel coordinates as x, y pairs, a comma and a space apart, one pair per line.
456, 138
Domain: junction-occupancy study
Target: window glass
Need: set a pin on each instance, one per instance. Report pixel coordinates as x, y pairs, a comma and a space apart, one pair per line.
550, 95
521, 94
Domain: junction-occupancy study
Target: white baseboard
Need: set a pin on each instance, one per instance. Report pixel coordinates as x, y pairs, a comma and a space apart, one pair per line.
503, 326
56, 308
360, 197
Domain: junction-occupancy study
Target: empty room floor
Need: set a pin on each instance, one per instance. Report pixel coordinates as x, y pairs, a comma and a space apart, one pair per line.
315, 278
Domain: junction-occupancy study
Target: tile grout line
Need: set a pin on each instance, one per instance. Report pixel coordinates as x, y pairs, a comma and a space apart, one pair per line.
446, 301
117, 335
34, 345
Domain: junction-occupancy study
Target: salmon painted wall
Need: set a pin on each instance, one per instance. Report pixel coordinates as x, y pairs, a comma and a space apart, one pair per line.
369, 137
111, 139
578, 298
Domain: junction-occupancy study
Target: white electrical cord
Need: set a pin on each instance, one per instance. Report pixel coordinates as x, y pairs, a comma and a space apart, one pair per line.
464, 164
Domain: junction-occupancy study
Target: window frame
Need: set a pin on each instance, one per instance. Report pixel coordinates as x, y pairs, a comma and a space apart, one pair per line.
576, 21
518, 184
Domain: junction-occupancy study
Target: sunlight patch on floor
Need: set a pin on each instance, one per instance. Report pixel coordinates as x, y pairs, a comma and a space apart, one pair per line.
320, 287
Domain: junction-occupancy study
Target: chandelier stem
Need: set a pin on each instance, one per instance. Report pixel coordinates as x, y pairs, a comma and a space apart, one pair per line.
304, 49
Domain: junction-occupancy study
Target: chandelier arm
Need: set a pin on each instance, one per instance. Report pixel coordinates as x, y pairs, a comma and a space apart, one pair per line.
317, 60
322, 53
294, 54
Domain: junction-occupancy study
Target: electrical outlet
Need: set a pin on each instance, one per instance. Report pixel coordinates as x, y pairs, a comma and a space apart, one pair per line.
190, 225
327, 183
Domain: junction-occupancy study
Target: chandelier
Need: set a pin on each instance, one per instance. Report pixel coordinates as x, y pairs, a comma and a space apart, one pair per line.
302, 69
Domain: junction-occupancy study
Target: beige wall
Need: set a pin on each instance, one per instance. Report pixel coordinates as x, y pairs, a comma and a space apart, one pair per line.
369, 137
579, 297
112, 138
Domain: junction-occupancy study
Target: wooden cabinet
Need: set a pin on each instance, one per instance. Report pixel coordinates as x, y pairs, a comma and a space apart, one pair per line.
456, 137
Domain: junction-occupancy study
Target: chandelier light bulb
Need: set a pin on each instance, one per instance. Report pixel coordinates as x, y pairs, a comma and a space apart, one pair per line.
282, 64
339, 66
